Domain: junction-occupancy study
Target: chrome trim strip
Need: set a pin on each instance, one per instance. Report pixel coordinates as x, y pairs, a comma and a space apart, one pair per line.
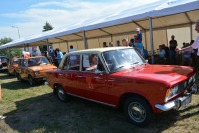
92, 100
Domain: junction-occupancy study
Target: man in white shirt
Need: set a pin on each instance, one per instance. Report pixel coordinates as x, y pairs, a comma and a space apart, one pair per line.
71, 49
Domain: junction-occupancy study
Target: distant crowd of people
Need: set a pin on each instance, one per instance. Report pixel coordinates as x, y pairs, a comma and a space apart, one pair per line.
165, 54
56, 55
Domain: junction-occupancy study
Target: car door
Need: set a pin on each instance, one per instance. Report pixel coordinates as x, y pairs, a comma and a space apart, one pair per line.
68, 74
93, 84
22, 68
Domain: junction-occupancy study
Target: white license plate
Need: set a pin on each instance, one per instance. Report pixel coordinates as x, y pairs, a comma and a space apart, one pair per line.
186, 102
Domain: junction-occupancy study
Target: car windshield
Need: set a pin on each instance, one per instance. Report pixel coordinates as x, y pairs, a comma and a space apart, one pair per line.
117, 60
37, 61
3, 59
15, 61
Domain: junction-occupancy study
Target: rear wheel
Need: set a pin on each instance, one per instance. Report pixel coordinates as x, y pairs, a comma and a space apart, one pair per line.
19, 77
15, 73
31, 81
138, 111
9, 74
61, 95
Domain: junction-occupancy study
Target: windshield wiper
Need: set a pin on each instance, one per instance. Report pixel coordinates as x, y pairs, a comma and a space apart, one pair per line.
119, 67
135, 63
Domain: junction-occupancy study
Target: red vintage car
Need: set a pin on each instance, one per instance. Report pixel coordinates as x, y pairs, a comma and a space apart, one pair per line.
120, 77
13, 66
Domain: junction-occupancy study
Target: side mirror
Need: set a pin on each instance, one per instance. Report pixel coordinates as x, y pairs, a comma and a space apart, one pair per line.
146, 61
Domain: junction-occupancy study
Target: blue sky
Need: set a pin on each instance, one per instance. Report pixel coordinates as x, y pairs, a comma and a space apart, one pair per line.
30, 15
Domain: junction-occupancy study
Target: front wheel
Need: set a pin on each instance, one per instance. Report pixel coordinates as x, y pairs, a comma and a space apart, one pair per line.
61, 95
8, 73
138, 111
19, 77
31, 81
15, 73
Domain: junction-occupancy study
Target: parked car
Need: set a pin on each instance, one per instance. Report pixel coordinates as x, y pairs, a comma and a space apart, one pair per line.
13, 66
3, 63
120, 77
33, 69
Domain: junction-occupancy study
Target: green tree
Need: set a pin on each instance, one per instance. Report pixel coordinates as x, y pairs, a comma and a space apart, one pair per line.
47, 27
13, 51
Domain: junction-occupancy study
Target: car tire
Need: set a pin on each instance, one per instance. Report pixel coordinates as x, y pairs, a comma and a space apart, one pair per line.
15, 73
138, 111
31, 81
9, 74
19, 77
61, 95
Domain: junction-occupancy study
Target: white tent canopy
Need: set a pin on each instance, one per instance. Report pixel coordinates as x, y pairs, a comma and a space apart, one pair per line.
164, 14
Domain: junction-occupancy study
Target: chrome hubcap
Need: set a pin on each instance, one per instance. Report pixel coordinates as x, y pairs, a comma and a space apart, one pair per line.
137, 112
61, 94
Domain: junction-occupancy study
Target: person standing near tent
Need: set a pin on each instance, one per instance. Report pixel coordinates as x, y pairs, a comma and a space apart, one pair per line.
172, 46
195, 45
71, 49
59, 55
138, 41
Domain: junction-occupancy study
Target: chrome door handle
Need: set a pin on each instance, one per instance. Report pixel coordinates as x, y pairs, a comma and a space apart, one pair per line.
97, 77
60, 74
79, 76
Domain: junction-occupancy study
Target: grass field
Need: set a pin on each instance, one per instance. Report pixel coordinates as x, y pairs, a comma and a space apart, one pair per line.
36, 109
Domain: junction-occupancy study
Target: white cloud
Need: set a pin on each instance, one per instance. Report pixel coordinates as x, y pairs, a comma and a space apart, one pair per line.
63, 13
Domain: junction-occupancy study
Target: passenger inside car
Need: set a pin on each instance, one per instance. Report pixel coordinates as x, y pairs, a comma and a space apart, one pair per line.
93, 63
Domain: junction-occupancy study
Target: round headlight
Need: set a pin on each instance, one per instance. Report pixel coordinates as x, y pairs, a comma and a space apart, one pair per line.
37, 72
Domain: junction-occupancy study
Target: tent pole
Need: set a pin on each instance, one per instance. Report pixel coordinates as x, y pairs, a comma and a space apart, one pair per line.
191, 33
24, 47
9, 50
47, 47
151, 40
167, 37
85, 43
145, 39
67, 46
28, 47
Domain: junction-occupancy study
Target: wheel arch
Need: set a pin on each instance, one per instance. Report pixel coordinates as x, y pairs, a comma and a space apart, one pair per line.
125, 96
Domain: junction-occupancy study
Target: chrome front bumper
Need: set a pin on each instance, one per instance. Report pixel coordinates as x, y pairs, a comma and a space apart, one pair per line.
180, 102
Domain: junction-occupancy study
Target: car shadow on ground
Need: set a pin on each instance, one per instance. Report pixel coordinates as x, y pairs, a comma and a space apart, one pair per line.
47, 114
15, 84
4, 77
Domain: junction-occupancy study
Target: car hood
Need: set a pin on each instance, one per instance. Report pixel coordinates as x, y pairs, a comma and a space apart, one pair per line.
42, 67
167, 74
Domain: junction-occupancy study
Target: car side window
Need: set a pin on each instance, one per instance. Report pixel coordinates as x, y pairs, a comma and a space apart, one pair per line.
72, 62
91, 62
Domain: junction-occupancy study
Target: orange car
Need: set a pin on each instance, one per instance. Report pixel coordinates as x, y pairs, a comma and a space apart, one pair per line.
13, 66
33, 69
